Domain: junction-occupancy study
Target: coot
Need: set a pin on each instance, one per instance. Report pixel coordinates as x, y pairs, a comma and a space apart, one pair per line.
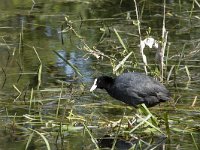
133, 88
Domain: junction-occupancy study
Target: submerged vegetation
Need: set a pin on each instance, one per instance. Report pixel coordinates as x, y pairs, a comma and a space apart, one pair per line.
45, 99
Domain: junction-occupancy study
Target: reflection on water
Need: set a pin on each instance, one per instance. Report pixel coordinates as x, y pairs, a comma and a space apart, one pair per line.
76, 59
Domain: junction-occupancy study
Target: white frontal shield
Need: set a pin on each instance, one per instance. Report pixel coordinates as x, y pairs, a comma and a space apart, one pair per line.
94, 86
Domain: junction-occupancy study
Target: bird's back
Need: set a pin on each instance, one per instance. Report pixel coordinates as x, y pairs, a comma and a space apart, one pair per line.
135, 88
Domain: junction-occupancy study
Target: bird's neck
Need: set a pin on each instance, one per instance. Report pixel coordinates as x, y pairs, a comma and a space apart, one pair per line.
109, 85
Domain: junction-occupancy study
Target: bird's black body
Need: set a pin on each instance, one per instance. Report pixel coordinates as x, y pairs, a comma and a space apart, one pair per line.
134, 88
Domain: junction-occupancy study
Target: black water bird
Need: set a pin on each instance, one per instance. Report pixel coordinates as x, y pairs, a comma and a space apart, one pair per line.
133, 88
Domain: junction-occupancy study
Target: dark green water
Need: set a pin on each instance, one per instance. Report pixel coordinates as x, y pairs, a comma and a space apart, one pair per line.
25, 26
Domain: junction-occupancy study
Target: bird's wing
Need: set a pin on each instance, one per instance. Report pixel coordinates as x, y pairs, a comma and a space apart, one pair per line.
129, 95
151, 88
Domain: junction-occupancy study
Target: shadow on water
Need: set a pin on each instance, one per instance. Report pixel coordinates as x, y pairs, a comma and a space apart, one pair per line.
43, 98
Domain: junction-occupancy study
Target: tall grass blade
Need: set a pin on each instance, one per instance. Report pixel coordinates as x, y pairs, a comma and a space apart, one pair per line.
67, 62
118, 131
121, 63
141, 123
120, 40
44, 138
91, 136
31, 98
145, 111
39, 70
29, 140
144, 58
188, 73
195, 143
60, 96
166, 118
20, 93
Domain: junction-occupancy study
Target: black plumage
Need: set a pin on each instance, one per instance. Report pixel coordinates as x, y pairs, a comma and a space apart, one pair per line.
133, 88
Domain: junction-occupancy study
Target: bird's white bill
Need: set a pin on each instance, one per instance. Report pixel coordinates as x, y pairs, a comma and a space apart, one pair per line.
94, 86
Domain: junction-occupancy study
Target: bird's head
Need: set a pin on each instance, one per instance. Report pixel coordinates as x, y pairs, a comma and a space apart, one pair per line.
103, 82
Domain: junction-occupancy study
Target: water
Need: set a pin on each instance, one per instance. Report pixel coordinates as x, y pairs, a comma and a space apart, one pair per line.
40, 26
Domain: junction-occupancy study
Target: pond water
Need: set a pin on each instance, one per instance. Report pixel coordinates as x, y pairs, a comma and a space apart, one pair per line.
49, 38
